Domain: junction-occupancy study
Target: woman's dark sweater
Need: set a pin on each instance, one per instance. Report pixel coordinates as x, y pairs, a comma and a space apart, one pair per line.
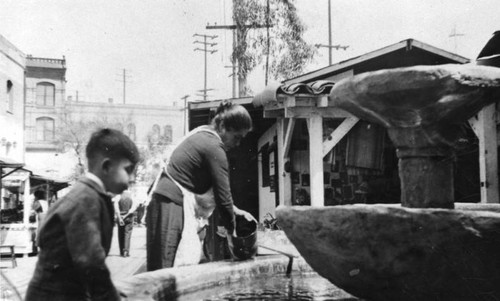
198, 164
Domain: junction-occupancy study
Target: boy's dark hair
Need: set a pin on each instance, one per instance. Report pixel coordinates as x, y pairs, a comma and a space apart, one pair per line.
112, 144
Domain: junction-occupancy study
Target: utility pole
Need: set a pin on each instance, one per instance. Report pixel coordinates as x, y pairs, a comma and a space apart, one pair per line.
205, 50
185, 112
234, 28
267, 41
204, 93
124, 77
454, 35
330, 46
234, 76
329, 32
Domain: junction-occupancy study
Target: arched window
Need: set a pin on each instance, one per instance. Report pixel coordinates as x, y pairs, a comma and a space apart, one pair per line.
45, 127
10, 96
45, 94
168, 133
131, 131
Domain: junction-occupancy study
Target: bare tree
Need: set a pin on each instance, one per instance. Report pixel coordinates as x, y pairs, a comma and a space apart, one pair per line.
74, 132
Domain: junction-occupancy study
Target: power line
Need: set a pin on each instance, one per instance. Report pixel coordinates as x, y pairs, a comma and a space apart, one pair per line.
337, 47
330, 46
234, 28
206, 50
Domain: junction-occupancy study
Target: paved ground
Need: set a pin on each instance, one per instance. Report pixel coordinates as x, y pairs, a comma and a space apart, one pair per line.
120, 267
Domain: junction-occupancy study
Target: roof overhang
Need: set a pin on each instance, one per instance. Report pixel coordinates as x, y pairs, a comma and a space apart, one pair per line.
407, 44
215, 104
298, 100
307, 95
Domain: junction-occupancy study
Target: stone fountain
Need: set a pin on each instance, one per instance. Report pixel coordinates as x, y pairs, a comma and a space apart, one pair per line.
429, 248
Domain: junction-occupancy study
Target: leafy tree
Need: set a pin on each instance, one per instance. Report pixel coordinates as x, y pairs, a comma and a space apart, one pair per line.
282, 45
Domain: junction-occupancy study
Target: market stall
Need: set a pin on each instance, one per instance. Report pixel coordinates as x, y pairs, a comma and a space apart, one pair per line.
14, 185
18, 225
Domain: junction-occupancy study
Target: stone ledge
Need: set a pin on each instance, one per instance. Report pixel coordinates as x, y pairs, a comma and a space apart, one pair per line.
167, 284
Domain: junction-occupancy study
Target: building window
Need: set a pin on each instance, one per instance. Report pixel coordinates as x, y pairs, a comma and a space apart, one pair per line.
168, 133
45, 93
45, 127
10, 97
131, 131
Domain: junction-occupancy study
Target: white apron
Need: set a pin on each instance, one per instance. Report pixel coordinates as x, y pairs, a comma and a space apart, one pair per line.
196, 209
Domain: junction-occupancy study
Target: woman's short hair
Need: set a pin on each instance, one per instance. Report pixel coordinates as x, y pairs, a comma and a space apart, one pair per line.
232, 116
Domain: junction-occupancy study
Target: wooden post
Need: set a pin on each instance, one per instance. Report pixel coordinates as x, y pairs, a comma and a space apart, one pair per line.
315, 126
288, 137
284, 184
28, 202
484, 127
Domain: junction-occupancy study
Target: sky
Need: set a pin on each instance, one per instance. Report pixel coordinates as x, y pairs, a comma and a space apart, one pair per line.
152, 40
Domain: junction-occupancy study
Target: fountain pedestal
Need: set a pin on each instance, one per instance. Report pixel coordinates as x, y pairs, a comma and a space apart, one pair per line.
425, 250
423, 108
425, 166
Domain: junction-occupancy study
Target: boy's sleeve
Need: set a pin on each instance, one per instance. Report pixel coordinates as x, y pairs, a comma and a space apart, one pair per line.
85, 246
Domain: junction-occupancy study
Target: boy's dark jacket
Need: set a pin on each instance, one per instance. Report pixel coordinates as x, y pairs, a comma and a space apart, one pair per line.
74, 240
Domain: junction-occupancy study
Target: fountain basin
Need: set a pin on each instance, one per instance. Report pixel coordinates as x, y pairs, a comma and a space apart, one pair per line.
382, 252
418, 96
199, 282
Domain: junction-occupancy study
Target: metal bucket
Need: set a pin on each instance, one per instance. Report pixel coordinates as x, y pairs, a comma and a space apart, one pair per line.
244, 246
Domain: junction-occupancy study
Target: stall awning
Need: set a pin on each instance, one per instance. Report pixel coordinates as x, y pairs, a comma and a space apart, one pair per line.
8, 166
14, 173
55, 184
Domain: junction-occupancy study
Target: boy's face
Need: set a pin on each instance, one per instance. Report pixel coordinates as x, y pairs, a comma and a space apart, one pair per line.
118, 175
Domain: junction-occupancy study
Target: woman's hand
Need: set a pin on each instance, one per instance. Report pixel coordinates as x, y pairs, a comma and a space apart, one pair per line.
221, 231
244, 213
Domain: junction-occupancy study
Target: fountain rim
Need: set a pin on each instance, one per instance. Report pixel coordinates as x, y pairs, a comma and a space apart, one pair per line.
184, 280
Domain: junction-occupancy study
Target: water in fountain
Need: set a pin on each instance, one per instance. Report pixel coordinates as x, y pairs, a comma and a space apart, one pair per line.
306, 287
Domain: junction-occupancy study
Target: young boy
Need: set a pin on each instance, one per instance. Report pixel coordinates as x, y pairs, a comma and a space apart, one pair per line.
75, 236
